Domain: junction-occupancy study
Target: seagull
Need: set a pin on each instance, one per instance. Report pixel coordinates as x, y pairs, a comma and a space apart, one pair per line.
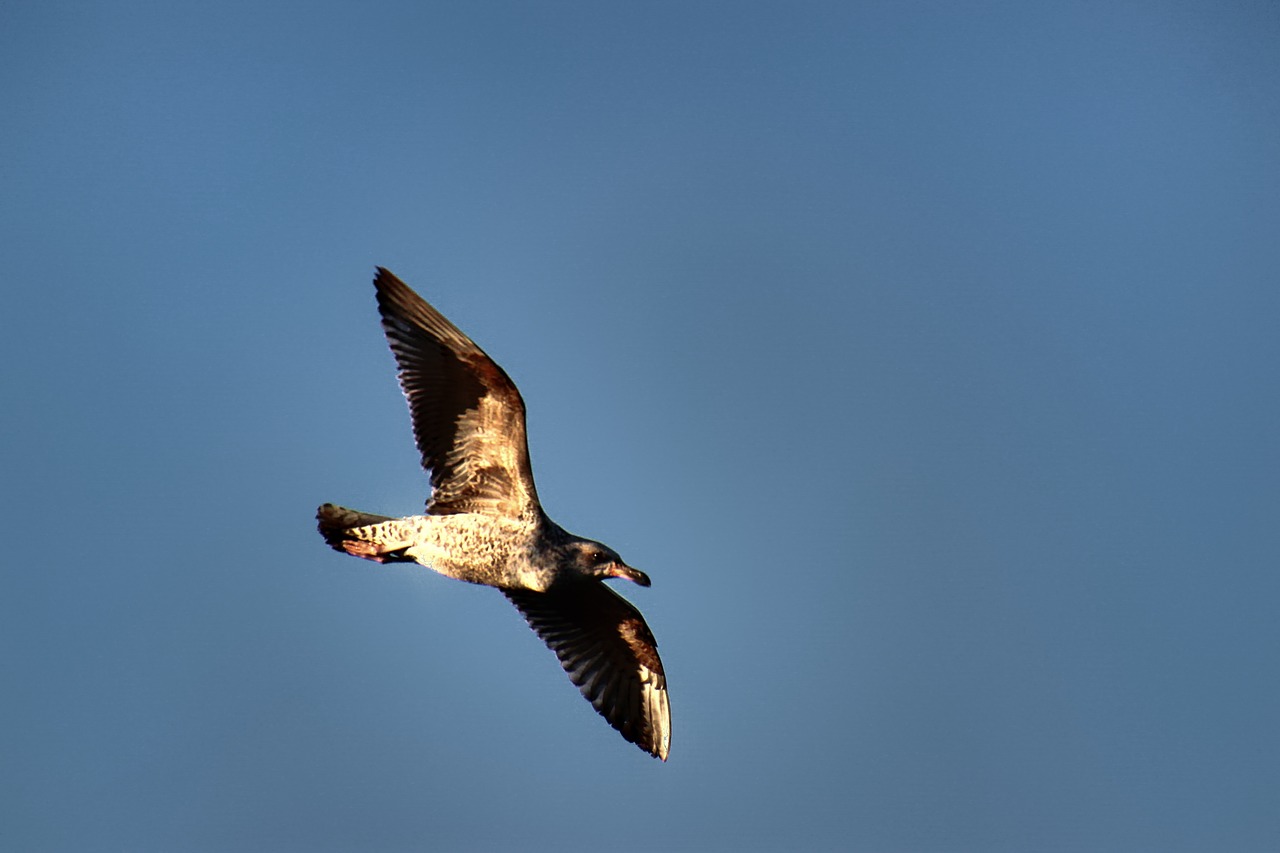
484, 524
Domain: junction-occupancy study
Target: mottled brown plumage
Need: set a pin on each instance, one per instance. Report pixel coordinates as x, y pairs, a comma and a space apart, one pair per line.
484, 524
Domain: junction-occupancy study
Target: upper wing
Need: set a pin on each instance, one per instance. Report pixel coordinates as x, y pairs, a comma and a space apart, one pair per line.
468, 418
609, 652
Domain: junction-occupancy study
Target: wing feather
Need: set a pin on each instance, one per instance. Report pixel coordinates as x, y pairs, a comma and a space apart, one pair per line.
468, 417
608, 651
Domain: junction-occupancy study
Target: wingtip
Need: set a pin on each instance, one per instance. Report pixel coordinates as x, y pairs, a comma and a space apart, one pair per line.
662, 729
659, 747
384, 277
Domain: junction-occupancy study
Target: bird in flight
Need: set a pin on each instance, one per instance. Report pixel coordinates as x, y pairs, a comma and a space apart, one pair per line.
484, 523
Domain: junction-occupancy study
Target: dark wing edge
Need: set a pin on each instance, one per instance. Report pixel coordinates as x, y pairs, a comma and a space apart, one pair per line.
468, 416
608, 651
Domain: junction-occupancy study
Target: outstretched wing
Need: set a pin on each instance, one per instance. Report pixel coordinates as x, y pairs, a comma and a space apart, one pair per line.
468, 417
607, 649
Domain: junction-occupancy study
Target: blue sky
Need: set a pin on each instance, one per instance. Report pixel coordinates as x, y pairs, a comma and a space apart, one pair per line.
923, 354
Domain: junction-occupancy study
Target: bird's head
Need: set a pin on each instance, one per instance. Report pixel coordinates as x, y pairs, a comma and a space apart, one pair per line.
600, 561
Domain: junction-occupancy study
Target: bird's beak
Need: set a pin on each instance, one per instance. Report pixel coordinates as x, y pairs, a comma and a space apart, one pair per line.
622, 570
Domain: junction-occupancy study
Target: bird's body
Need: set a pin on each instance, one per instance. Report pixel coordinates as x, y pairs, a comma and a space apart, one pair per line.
484, 523
490, 550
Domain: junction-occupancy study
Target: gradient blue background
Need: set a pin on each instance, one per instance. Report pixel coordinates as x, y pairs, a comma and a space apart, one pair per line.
925, 354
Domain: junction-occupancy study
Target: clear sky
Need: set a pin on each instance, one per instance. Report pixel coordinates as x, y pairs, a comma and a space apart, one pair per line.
924, 354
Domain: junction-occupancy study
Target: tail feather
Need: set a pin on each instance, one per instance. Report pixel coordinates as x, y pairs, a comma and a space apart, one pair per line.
360, 534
